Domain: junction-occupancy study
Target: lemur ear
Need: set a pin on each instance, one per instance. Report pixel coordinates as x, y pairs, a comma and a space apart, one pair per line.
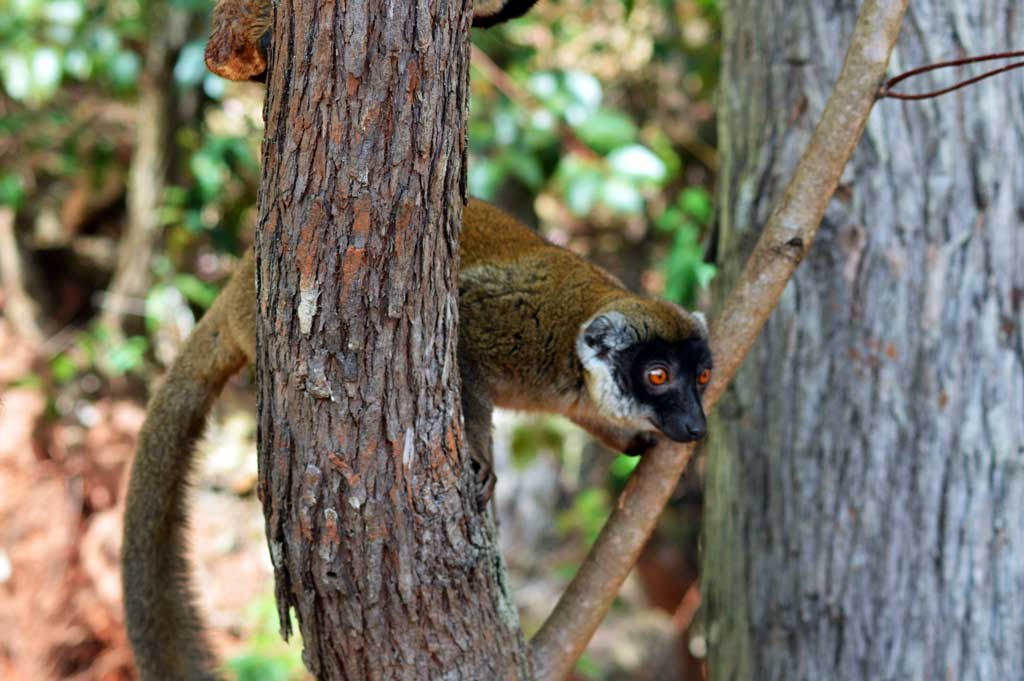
701, 320
605, 333
698, 317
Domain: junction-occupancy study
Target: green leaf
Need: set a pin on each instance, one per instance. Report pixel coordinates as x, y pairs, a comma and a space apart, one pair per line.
696, 202
588, 668
525, 167
63, 368
543, 84
127, 356
17, 75
582, 192
78, 64
623, 465
12, 191
606, 130
209, 172
638, 162
190, 67
67, 12
621, 196
124, 69
195, 290
484, 178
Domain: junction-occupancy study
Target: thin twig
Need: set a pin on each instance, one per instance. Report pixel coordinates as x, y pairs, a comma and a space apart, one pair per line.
886, 89
783, 244
19, 308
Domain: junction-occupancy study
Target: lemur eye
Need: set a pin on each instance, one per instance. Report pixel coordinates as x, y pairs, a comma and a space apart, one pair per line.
704, 376
657, 376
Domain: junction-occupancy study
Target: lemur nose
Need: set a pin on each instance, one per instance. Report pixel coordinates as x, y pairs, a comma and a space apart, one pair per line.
696, 431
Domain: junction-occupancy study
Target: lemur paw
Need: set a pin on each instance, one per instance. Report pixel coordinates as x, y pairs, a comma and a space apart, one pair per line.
640, 444
485, 482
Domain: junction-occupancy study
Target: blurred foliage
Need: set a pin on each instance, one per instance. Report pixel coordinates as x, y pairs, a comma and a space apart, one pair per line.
601, 111
591, 119
586, 516
266, 657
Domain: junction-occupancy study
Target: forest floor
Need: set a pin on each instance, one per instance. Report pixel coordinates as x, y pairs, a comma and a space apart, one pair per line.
61, 496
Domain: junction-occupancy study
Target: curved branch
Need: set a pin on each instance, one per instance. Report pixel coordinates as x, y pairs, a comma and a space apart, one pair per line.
784, 242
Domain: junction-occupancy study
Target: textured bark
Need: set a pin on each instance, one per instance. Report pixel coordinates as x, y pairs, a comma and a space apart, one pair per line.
781, 247
368, 496
865, 508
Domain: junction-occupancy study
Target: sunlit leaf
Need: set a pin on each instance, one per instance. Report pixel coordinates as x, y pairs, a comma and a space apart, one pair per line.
190, 67
214, 86
543, 84
584, 88
67, 12
127, 356
484, 178
621, 196
78, 64
582, 192
124, 69
637, 162
46, 72
17, 75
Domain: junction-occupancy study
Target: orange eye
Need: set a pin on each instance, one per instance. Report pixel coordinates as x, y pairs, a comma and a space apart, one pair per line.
657, 376
704, 377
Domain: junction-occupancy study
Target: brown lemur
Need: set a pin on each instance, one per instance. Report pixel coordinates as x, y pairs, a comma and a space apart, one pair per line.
240, 33
540, 329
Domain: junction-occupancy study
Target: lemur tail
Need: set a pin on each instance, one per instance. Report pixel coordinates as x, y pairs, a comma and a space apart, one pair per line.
163, 623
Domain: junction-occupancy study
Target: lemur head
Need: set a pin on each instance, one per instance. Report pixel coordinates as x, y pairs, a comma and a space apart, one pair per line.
646, 363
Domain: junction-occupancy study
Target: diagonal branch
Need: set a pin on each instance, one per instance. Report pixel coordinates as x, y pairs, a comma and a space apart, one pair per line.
784, 242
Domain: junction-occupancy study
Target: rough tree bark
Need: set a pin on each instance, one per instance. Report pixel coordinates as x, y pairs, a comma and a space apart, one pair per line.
369, 500
865, 513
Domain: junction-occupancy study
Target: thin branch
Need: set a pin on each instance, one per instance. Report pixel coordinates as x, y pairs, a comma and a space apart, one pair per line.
785, 241
19, 308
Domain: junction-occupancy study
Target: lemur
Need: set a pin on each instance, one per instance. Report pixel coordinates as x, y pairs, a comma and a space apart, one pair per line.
540, 329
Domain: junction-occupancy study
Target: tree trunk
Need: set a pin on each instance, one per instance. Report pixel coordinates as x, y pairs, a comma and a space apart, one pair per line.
366, 488
865, 496
150, 164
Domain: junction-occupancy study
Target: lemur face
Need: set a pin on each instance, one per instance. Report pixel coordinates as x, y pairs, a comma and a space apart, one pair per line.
668, 379
644, 380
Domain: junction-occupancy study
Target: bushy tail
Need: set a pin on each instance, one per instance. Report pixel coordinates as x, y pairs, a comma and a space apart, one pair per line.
163, 624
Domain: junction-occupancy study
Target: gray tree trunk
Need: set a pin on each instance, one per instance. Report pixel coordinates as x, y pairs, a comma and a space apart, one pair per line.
865, 508
375, 535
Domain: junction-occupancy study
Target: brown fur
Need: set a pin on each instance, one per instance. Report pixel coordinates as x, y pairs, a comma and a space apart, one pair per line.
233, 50
522, 303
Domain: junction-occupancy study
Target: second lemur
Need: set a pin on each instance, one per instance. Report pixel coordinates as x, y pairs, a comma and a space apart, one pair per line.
540, 329
240, 33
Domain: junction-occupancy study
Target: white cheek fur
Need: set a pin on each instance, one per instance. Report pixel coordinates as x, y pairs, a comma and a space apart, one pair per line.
604, 392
